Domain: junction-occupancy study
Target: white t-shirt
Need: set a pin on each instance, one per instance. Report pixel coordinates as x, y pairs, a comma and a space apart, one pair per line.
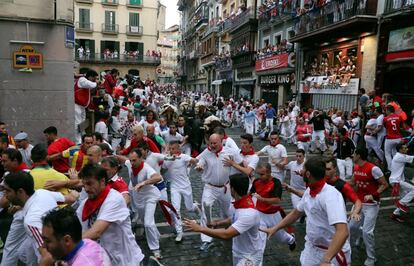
323, 211
166, 135
278, 153
34, 209
248, 161
398, 165
215, 172
230, 143
147, 192
380, 122
177, 171
247, 222
155, 160
296, 180
118, 239
371, 123
102, 128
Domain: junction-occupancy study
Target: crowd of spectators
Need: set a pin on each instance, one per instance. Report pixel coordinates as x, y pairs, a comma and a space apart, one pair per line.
269, 50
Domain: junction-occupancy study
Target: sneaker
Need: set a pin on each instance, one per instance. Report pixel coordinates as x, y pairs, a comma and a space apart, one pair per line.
179, 237
205, 246
370, 262
153, 261
401, 206
157, 254
292, 246
397, 218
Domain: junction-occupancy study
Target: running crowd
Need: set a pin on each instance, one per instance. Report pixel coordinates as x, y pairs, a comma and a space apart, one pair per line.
79, 202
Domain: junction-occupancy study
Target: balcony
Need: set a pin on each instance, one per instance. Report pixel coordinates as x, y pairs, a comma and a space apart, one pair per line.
275, 14
244, 59
212, 28
110, 2
223, 64
393, 6
242, 18
134, 30
84, 1
329, 18
134, 3
110, 28
118, 59
84, 27
207, 60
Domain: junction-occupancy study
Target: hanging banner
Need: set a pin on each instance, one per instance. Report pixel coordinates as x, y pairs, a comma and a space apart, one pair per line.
272, 62
320, 85
27, 57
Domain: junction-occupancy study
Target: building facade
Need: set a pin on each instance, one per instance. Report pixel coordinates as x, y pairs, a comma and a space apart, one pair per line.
168, 46
119, 33
37, 67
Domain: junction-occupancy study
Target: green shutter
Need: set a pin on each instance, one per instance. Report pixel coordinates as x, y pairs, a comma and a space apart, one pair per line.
133, 19
141, 50
109, 17
84, 17
135, 2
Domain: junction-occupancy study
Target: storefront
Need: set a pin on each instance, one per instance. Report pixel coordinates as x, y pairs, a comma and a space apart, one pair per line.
244, 84
276, 77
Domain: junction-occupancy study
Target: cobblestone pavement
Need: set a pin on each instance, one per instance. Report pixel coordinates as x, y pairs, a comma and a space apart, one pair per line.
394, 241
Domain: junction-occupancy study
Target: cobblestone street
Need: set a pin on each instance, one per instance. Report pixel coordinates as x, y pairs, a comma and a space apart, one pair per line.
394, 241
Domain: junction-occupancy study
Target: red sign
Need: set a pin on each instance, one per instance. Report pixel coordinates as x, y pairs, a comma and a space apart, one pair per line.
404, 55
273, 62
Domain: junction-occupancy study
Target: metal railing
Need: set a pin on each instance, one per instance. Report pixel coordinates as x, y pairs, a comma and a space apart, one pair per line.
110, 2
84, 26
134, 30
110, 28
206, 59
396, 5
276, 12
242, 18
223, 64
115, 57
85, 1
330, 14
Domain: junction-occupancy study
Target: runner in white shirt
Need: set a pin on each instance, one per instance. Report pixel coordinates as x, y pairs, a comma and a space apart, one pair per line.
326, 223
104, 217
227, 141
250, 158
244, 225
296, 179
397, 181
371, 137
19, 190
277, 156
172, 134
145, 196
215, 175
180, 184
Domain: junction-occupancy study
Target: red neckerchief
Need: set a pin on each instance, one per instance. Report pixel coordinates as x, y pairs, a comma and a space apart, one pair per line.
217, 153
136, 171
92, 205
22, 167
124, 108
225, 137
316, 187
177, 154
150, 121
276, 144
331, 181
245, 202
251, 152
44, 164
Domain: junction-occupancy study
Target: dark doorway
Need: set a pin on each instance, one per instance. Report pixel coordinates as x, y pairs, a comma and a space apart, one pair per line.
400, 83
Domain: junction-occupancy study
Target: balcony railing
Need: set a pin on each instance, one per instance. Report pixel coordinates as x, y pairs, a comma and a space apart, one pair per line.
134, 30
85, 1
393, 5
276, 12
242, 18
330, 14
120, 58
110, 28
110, 2
244, 59
207, 59
223, 63
84, 27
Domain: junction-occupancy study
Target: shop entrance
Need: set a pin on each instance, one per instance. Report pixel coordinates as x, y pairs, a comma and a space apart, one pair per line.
400, 83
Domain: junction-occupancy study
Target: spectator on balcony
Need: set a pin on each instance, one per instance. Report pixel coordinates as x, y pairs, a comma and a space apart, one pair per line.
115, 54
80, 51
110, 81
88, 52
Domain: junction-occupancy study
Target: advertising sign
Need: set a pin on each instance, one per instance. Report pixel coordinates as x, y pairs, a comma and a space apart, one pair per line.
275, 62
27, 57
319, 85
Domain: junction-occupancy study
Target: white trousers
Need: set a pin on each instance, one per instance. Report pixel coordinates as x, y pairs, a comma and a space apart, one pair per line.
390, 150
312, 256
14, 240
279, 175
270, 220
269, 123
175, 220
406, 194
373, 145
80, 116
28, 253
318, 136
345, 168
249, 128
210, 195
145, 207
187, 195
247, 259
369, 214
303, 145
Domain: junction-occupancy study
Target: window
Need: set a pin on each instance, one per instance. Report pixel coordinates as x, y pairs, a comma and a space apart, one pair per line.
224, 14
232, 9
266, 41
84, 18
217, 12
135, 2
109, 17
277, 39
133, 19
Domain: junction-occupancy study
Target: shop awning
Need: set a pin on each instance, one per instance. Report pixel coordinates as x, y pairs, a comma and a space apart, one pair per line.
217, 82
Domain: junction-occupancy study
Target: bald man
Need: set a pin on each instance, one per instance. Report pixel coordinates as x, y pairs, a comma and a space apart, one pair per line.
215, 175
94, 154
